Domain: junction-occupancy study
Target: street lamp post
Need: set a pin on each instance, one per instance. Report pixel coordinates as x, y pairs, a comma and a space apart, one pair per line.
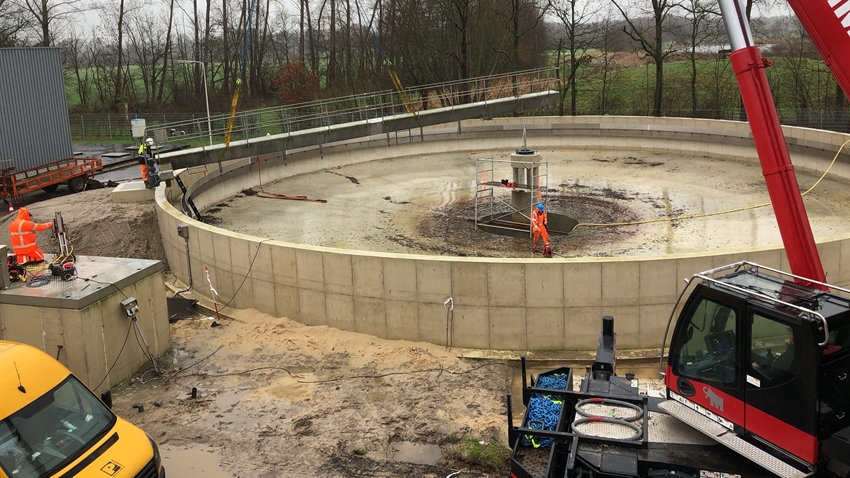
206, 95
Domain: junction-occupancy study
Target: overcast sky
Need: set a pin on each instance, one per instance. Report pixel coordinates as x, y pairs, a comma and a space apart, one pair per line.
92, 17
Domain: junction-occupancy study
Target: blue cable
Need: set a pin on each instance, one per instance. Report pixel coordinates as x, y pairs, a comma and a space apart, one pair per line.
557, 381
542, 414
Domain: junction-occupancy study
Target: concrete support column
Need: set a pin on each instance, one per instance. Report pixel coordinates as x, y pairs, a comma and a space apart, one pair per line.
525, 172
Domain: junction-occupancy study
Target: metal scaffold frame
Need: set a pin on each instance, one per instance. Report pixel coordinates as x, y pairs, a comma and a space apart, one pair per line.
493, 196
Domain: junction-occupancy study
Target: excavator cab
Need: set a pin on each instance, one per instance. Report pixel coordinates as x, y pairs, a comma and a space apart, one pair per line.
766, 358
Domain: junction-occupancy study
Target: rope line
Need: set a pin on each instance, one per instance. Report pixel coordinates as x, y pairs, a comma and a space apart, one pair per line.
718, 213
556, 381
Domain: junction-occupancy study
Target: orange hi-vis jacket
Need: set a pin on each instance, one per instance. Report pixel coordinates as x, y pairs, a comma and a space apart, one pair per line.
538, 219
22, 231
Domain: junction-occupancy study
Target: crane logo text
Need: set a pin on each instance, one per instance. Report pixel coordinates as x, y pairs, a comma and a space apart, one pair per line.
841, 8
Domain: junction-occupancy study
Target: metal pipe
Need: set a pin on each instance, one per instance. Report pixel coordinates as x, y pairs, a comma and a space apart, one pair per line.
737, 25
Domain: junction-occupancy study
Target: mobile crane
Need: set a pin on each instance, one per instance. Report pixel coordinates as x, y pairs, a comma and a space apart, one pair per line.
757, 378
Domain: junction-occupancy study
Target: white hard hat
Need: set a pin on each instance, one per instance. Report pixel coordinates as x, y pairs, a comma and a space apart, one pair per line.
149, 141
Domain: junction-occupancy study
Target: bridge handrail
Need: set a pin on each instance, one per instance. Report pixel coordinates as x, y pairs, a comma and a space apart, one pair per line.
379, 104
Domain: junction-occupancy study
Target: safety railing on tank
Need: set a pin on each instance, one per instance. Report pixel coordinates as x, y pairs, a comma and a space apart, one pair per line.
369, 106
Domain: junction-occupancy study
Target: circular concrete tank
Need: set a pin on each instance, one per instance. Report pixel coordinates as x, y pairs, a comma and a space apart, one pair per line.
393, 242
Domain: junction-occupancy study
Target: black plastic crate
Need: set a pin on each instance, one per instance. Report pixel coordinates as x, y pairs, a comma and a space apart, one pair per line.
541, 383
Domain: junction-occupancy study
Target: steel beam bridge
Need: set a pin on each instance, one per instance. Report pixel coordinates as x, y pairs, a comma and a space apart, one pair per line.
285, 128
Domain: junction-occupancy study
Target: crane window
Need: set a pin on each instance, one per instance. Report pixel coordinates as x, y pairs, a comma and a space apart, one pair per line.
772, 351
705, 349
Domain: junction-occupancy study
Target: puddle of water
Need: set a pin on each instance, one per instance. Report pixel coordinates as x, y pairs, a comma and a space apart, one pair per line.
288, 392
642, 368
417, 453
227, 412
200, 461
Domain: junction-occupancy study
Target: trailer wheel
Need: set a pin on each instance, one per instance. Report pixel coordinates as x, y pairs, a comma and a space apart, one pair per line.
77, 184
51, 188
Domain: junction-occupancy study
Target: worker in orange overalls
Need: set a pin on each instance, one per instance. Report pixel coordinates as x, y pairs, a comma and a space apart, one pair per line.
145, 150
22, 230
539, 224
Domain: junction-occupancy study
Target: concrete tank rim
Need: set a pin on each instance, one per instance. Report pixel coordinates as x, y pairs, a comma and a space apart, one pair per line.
530, 123
499, 303
163, 203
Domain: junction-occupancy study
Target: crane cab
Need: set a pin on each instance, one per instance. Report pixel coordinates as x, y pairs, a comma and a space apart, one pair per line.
765, 357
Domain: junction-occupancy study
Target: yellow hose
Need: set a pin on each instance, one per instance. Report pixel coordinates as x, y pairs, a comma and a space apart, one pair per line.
694, 216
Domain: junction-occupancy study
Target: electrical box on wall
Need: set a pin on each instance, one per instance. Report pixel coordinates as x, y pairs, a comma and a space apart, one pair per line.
131, 306
183, 231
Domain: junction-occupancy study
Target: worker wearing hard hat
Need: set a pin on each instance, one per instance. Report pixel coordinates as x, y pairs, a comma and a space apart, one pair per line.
22, 230
539, 225
145, 151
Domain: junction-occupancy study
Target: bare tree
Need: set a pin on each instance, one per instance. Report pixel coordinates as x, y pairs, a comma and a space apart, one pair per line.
803, 82
12, 22
606, 65
579, 34
147, 32
120, 49
167, 51
458, 15
704, 27
46, 13
650, 37
520, 17
74, 58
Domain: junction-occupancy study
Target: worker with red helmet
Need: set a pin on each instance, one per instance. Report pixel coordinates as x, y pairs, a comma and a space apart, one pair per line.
539, 225
22, 230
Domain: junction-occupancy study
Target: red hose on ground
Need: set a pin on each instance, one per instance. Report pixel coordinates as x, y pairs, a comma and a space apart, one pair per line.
281, 196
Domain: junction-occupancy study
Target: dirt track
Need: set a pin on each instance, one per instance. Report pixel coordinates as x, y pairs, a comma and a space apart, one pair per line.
277, 398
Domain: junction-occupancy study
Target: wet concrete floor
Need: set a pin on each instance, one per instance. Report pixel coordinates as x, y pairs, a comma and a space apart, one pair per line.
421, 205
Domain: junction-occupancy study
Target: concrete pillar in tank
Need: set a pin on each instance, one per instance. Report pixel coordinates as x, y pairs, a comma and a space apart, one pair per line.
525, 164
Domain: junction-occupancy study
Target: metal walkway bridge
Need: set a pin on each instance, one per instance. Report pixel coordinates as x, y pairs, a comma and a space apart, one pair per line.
289, 127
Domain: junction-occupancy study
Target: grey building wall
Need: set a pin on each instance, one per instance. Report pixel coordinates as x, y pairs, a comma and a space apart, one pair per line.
34, 127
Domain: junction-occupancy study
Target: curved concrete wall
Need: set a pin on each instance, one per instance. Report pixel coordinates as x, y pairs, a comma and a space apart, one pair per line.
512, 304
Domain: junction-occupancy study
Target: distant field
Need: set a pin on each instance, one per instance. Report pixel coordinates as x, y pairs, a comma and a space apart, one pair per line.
629, 89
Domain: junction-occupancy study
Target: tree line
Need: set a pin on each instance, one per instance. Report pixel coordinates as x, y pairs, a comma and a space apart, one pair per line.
157, 54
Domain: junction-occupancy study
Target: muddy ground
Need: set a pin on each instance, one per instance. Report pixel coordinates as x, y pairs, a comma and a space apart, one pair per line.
423, 205
277, 398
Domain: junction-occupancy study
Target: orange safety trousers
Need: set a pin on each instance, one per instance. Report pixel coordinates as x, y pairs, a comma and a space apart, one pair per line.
538, 227
22, 233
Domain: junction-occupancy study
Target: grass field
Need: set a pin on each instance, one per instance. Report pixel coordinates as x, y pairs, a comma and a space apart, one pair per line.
628, 90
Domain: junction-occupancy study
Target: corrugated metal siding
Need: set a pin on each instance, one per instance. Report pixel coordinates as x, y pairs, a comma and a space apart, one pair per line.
34, 127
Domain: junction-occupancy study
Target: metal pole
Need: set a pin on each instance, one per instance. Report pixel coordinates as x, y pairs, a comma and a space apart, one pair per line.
207, 97
789, 210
